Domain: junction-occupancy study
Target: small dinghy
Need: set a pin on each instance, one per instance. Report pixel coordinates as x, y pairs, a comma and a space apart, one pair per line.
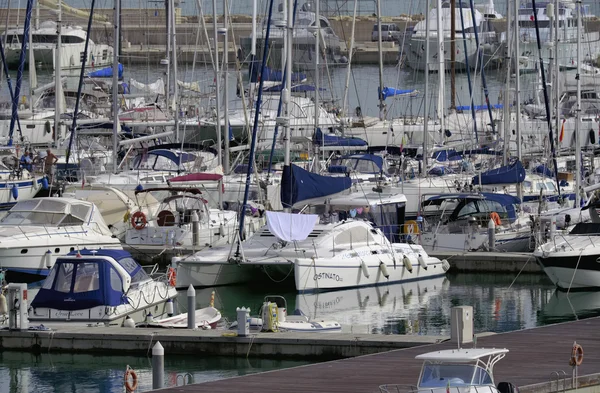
274, 318
205, 318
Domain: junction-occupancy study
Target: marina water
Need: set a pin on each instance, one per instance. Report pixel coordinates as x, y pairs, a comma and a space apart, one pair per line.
501, 303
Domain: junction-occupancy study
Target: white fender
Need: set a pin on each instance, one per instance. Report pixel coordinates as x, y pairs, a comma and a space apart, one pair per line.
407, 263
364, 268
129, 322
384, 270
445, 265
3, 304
422, 262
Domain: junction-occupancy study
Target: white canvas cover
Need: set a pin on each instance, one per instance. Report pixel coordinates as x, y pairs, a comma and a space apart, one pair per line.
157, 87
291, 227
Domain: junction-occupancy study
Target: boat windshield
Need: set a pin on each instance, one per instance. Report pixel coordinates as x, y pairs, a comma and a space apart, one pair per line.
444, 375
46, 212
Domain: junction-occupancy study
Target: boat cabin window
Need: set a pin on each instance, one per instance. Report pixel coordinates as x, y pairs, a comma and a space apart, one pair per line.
444, 375
87, 277
130, 265
115, 280
354, 235
64, 277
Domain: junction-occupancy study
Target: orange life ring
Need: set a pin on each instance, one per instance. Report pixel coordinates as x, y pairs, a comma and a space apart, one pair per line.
496, 218
138, 220
132, 385
172, 277
576, 355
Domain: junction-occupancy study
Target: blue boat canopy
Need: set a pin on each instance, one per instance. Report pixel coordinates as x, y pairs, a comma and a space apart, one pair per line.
509, 174
464, 108
89, 279
390, 92
271, 75
299, 185
106, 72
363, 163
544, 170
321, 139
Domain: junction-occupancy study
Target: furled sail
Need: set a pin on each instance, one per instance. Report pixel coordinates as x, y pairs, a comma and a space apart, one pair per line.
299, 185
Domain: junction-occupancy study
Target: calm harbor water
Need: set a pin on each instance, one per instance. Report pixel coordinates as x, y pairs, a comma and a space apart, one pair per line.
418, 308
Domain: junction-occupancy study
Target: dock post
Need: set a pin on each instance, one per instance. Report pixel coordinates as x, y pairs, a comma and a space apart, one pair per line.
191, 306
492, 235
242, 320
158, 366
461, 325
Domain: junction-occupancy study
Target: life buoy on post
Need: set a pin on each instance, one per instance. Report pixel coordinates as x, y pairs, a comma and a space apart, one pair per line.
496, 218
138, 220
130, 385
576, 355
411, 227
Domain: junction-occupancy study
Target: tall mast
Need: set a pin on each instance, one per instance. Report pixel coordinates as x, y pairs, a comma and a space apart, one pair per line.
507, 61
217, 88
288, 84
452, 54
226, 86
441, 66
517, 38
115, 85
167, 60
578, 123
426, 104
350, 51
556, 85
382, 108
58, 92
174, 60
317, 57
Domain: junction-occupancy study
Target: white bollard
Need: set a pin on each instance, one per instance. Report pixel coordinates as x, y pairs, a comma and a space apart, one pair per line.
191, 303
158, 366
243, 321
492, 235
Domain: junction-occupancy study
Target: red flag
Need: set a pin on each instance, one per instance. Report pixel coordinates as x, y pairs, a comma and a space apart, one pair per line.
562, 131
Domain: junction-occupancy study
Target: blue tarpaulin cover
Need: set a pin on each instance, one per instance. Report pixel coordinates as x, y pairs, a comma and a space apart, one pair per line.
299, 185
106, 72
335, 140
508, 174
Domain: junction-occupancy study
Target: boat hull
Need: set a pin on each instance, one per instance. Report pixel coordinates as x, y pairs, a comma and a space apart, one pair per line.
365, 269
210, 275
573, 271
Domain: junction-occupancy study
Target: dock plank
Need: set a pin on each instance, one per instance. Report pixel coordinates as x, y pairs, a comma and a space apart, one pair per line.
534, 354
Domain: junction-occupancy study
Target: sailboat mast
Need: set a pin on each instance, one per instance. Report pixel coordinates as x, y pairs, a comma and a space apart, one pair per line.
441, 67
174, 59
288, 85
578, 120
217, 89
545, 90
517, 38
426, 90
507, 61
58, 92
349, 70
452, 54
317, 56
382, 108
226, 86
556, 85
168, 55
115, 86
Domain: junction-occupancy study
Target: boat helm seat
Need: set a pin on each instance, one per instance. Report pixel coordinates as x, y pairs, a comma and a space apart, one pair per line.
165, 219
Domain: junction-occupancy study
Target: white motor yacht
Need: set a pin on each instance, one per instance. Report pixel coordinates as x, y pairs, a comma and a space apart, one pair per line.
44, 41
100, 286
37, 231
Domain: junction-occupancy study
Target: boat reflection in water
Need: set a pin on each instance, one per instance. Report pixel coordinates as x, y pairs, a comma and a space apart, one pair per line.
374, 309
563, 306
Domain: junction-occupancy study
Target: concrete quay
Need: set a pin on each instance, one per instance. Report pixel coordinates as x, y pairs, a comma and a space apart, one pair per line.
139, 341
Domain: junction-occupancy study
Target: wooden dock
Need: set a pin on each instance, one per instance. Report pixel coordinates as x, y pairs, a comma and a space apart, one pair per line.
534, 355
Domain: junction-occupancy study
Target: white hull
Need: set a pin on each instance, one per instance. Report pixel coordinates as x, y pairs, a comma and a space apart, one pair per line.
363, 268
152, 298
568, 278
210, 275
44, 54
